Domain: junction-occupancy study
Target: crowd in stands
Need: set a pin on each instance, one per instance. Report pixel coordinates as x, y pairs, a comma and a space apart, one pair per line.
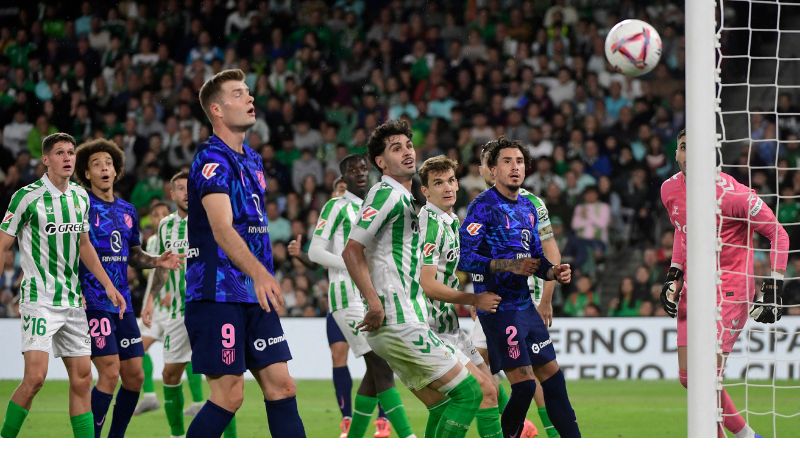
324, 74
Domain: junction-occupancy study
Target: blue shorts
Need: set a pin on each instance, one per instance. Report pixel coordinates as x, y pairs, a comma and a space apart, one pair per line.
111, 335
517, 339
334, 333
230, 338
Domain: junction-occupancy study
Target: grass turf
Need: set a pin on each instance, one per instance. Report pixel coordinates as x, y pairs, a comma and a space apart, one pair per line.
604, 409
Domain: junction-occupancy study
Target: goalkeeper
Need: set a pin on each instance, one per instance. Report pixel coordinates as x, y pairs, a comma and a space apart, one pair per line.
741, 212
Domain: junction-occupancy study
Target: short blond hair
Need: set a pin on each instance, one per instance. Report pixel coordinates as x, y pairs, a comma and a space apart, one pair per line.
211, 89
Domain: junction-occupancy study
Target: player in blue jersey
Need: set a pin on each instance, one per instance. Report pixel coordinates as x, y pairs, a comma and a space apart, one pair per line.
500, 245
231, 294
114, 231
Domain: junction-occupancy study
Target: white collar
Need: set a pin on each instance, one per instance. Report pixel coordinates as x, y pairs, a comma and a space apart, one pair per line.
395, 185
448, 218
352, 197
52, 187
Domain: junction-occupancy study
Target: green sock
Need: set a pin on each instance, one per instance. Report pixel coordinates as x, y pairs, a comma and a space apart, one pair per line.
434, 414
195, 384
488, 420
465, 399
362, 413
82, 425
230, 430
173, 407
15, 415
502, 398
548, 425
147, 365
395, 412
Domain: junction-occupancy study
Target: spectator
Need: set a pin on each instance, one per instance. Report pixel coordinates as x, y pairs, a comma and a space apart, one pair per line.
592, 218
307, 165
150, 187
37, 134
625, 304
576, 303
279, 227
15, 133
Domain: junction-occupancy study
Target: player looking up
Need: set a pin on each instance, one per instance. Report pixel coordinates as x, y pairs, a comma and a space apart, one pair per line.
383, 259
50, 219
440, 253
231, 294
742, 211
500, 245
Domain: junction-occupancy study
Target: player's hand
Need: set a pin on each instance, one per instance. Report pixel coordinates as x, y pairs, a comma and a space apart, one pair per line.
169, 260
116, 299
562, 273
473, 313
486, 301
147, 312
767, 306
166, 300
373, 319
525, 266
295, 246
670, 293
268, 291
546, 312
83, 301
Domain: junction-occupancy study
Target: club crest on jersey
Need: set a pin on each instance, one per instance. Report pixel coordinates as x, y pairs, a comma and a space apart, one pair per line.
428, 249
128, 220
261, 180
8, 217
533, 220
513, 351
209, 170
228, 356
369, 214
321, 224
473, 228
100, 342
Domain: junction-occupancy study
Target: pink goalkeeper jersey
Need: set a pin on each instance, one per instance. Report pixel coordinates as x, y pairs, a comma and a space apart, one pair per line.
742, 212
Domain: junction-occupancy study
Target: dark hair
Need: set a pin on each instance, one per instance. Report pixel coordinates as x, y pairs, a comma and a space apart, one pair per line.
349, 159
376, 143
85, 151
212, 88
437, 164
491, 150
157, 204
182, 175
681, 134
51, 140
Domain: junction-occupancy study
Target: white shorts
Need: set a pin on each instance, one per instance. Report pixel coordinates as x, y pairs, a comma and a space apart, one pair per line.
347, 320
460, 340
64, 332
414, 353
478, 336
158, 327
176, 342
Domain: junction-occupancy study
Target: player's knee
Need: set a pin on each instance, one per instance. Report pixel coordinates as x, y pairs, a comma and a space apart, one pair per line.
281, 389
473, 393
524, 389
339, 355
34, 381
234, 399
171, 376
81, 382
133, 380
488, 390
684, 378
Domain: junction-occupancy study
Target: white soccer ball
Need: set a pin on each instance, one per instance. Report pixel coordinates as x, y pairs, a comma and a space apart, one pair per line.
633, 47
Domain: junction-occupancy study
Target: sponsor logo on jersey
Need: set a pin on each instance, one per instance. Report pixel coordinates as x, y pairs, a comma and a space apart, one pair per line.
125, 343
321, 224
252, 229
428, 249
176, 244
369, 214
526, 239
128, 220
451, 255
260, 344
474, 227
115, 241
536, 348
261, 180
674, 210
51, 228
209, 170
477, 277
532, 219
756, 205
97, 220
276, 340
8, 217
192, 253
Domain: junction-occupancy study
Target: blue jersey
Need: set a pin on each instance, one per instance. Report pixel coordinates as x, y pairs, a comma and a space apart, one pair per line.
210, 274
500, 228
113, 230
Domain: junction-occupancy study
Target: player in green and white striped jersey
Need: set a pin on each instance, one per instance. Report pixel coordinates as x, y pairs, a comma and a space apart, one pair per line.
439, 227
383, 259
541, 295
49, 219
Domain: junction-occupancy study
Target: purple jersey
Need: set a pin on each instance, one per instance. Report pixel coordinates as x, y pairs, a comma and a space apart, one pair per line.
113, 230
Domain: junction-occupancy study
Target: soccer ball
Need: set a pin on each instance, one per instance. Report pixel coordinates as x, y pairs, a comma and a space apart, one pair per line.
633, 47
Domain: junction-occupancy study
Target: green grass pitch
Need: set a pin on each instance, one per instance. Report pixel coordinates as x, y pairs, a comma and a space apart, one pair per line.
604, 408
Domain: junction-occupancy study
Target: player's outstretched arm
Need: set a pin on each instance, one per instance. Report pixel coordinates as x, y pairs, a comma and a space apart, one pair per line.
92, 262
220, 218
319, 252
486, 301
356, 263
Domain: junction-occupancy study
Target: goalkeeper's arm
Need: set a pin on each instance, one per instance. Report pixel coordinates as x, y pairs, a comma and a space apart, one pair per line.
670, 293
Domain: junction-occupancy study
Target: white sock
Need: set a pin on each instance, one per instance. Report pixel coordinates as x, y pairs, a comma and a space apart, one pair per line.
149, 395
746, 432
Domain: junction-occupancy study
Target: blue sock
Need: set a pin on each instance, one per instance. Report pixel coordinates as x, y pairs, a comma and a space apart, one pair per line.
283, 419
513, 417
123, 411
381, 412
343, 384
558, 406
210, 422
100, 403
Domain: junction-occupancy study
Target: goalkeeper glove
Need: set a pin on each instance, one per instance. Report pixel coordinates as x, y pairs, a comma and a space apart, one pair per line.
767, 307
669, 293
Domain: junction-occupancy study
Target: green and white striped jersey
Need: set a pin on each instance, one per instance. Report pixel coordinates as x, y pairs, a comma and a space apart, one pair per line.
338, 217
389, 229
440, 248
172, 236
151, 247
536, 284
48, 224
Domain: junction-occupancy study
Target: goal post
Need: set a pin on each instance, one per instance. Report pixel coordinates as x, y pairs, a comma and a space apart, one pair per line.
701, 207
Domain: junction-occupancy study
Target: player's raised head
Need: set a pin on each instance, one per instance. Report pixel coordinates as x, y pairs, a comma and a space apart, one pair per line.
439, 182
507, 161
99, 163
58, 154
355, 172
390, 149
227, 102
180, 191
680, 152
